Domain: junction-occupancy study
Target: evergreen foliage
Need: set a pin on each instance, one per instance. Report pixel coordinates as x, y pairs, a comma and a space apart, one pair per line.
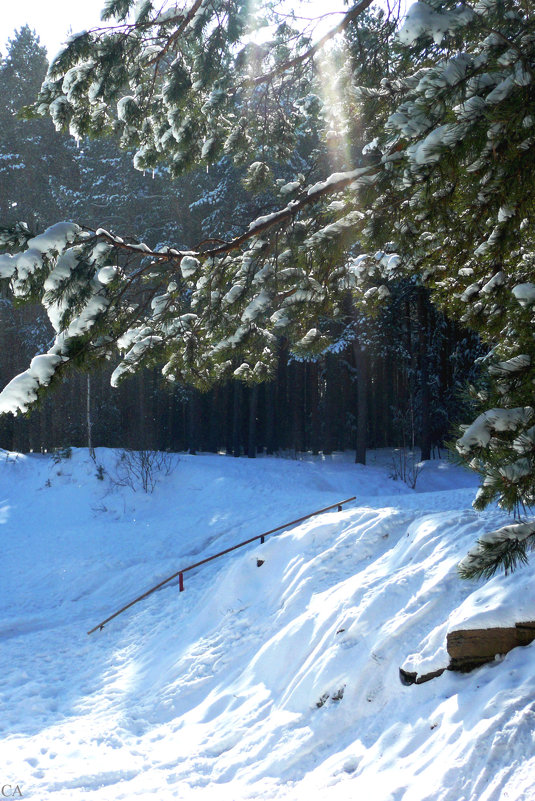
429, 132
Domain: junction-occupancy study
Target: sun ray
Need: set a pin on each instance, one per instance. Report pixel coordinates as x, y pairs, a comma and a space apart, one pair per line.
332, 73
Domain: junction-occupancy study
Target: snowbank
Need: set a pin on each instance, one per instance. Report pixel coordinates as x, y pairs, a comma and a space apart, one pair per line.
258, 682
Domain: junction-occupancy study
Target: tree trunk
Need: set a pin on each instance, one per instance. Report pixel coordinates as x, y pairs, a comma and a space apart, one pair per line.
297, 404
192, 440
425, 435
213, 405
282, 397
88, 420
251, 438
362, 402
271, 436
329, 405
313, 403
236, 420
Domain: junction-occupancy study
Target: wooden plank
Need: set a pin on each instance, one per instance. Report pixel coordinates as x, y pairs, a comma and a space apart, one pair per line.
469, 648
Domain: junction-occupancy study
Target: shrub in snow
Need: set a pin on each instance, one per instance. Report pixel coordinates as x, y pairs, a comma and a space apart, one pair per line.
404, 467
142, 469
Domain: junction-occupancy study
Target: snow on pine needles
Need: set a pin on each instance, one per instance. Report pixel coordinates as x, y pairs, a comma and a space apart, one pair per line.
272, 680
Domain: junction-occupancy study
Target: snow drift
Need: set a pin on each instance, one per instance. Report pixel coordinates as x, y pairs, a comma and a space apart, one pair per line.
271, 681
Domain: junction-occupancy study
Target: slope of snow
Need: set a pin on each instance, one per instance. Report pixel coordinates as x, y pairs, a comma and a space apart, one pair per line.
258, 682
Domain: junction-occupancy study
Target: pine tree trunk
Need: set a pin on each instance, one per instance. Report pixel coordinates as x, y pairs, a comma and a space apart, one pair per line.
170, 410
388, 395
382, 402
313, 404
362, 402
329, 404
271, 435
423, 326
228, 415
236, 420
297, 403
89, 422
253, 405
282, 396
192, 412
407, 409
213, 404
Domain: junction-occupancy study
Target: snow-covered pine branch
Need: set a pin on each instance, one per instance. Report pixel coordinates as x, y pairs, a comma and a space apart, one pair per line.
437, 185
505, 547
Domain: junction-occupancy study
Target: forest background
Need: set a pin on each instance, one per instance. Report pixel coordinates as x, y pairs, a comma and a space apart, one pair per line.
403, 387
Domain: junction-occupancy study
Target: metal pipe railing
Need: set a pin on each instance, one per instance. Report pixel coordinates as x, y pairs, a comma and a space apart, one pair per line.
180, 573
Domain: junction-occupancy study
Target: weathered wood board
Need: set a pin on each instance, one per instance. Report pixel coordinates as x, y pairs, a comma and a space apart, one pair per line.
470, 648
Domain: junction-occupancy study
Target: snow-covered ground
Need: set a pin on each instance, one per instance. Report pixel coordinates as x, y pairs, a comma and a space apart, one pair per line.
278, 681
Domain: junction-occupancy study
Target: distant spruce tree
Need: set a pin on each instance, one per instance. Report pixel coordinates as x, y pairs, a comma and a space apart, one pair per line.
32, 152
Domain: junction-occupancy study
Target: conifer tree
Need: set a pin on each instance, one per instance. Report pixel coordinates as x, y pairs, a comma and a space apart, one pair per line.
435, 183
32, 150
